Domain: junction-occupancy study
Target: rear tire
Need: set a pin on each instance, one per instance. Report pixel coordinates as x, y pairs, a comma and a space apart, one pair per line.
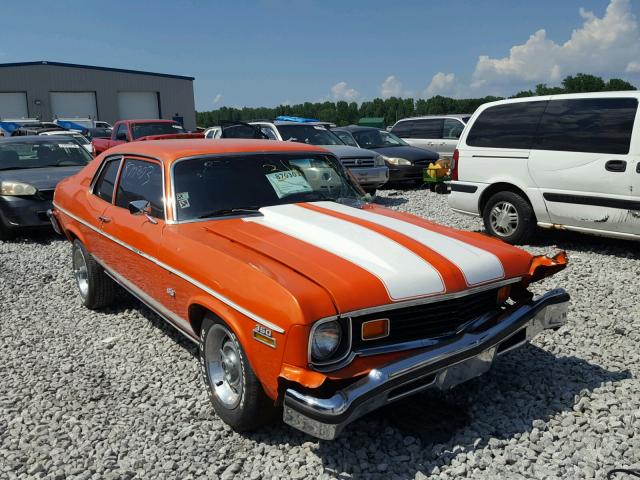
235, 392
96, 289
509, 217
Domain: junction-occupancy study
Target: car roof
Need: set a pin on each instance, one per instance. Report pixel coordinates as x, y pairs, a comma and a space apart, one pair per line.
356, 128
29, 139
171, 150
459, 116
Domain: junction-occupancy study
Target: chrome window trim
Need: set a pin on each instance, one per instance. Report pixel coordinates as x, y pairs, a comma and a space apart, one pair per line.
92, 185
178, 273
175, 220
133, 156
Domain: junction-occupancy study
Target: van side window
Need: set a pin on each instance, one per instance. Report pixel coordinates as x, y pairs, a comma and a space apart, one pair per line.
103, 187
452, 129
594, 125
403, 129
512, 125
428, 128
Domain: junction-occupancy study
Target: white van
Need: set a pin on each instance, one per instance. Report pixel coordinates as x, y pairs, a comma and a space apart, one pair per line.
560, 161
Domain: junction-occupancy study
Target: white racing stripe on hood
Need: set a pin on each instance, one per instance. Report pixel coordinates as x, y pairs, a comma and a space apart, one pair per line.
403, 273
477, 265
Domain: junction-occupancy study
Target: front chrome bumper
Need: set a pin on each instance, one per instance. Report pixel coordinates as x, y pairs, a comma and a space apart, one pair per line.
442, 367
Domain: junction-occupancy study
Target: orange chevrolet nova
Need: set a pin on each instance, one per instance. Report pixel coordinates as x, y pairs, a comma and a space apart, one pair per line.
303, 298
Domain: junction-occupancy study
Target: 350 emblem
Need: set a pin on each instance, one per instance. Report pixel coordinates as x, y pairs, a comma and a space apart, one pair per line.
264, 335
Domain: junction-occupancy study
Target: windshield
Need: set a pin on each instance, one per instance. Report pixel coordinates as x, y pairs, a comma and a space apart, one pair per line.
60, 152
219, 186
310, 134
82, 140
156, 128
377, 139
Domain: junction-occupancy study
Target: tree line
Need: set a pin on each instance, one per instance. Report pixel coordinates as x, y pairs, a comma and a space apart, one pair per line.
394, 108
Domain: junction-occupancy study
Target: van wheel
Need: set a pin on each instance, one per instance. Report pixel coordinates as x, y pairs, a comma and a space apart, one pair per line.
509, 217
236, 393
97, 290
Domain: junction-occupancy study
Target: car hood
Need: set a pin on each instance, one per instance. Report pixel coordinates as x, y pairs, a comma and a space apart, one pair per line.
42, 178
346, 151
372, 256
407, 152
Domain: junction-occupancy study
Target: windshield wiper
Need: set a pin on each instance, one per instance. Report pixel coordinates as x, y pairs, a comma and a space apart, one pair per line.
229, 211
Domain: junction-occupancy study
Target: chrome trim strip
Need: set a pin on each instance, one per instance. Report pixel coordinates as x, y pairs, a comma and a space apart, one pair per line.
431, 299
180, 274
167, 315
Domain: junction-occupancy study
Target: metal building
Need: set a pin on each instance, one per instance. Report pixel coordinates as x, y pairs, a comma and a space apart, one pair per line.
49, 90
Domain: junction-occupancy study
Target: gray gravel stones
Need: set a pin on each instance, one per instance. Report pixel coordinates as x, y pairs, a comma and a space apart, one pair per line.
117, 394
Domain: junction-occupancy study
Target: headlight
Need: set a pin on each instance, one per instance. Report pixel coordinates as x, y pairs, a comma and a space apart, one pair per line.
326, 340
17, 188
379, 161
396, 161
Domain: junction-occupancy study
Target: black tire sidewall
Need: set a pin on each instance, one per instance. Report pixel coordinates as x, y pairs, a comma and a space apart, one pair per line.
526, 217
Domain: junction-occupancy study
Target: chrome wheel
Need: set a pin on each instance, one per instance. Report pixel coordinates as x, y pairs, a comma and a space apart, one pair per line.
80, 271
504, 218
224, 366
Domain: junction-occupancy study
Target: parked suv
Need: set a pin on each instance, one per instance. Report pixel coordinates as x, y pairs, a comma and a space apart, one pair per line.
368, 167
561, 161
439, 133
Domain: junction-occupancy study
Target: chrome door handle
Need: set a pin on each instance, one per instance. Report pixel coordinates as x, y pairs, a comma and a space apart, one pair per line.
104, 219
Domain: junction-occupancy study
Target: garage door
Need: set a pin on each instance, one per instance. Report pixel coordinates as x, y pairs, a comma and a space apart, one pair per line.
138, 105
13, 105
73, 104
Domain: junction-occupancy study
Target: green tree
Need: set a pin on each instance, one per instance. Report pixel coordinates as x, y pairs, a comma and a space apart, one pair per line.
583, 82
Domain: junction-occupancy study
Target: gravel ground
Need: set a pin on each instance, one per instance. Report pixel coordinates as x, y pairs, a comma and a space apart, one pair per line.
118, 394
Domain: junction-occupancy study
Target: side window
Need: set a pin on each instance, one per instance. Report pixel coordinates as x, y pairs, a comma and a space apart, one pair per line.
512, 125
346, 138
141, 180
403, 129
122, 133
452, 129
594, 125
428, 128
210, 134
107, 180
268, 131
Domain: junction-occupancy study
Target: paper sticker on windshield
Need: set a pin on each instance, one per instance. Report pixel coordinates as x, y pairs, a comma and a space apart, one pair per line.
183, 199
319, 127
177, 127
68, 145
288, 183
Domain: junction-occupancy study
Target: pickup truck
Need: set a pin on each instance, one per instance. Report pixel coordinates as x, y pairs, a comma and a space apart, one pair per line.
140, 130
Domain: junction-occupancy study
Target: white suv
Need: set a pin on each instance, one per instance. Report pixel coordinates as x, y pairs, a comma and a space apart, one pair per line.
560, 161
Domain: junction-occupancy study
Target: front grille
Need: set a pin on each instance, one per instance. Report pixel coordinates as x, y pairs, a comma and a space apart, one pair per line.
358, 162
421, 162
426, 321
46, 194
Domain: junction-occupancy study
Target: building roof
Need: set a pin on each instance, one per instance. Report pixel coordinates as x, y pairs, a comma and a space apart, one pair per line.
93, 67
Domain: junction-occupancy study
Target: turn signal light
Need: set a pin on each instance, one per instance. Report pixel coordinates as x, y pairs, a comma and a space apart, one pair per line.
503, 294
374, 329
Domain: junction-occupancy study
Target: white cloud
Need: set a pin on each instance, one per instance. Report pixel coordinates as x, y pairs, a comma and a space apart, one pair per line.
341, 91
218, 98
441, 84
602, 46
391, 87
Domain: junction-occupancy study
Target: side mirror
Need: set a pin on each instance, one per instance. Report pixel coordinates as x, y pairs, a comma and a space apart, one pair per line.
139, 207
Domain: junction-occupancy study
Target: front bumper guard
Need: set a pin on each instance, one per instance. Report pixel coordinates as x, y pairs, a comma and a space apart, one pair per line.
54, 222
442, 367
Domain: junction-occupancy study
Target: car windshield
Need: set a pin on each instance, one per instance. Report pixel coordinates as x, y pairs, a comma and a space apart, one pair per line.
241, 184
377, 139
156, 128
82, 140
310, 134
58, 152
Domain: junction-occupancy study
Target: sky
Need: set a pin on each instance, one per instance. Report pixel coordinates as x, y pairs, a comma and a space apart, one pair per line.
268, 52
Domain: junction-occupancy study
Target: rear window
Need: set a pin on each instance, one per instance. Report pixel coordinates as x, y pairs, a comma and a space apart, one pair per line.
512, 125
156, 128
594, 125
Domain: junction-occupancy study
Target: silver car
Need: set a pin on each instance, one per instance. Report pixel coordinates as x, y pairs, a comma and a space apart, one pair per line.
439, 133
368, 167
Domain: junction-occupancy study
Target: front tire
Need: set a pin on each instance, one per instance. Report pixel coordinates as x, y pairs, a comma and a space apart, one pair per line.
235, 392
97, 290
509, 217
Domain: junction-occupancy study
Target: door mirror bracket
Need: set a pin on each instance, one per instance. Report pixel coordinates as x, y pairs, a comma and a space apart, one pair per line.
142, 207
